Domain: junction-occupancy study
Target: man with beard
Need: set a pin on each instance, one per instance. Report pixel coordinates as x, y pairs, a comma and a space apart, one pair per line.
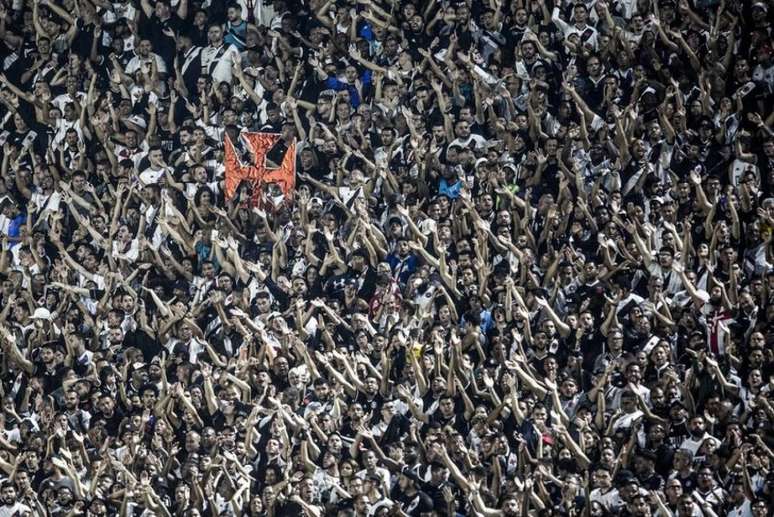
637, 507
410, 498
49, 369
715, 308
366, 393
109, 413
448, 414
633, 377
10, 506
361, 271
27, 495
644, 467
78, 419
217, 58
320, 399
392, 425
187, 61
698, 434
402, 262
665, 266
326, 476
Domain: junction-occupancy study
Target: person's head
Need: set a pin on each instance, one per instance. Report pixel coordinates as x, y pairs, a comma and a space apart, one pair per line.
446, 406
638, 506
634, 373
193, 441
760, 507
539, 414
8, 492
182, 494
215, 35
736, 493
438, 473
234, 13
601, 477
71, 400
704, 476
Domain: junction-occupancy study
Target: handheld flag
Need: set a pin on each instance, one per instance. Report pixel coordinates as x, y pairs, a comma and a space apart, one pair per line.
239, 167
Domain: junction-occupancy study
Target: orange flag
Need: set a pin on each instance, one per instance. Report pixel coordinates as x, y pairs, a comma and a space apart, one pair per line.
257, 173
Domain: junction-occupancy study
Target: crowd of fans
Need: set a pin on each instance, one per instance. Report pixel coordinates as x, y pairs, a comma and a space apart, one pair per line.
526, 268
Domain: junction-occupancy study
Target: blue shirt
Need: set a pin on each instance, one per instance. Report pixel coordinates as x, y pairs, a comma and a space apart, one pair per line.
235, 35
486, 321
402, 269
14, 228
335, 84
452, 191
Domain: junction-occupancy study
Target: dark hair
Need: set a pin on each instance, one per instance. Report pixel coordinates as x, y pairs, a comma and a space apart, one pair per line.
149, 387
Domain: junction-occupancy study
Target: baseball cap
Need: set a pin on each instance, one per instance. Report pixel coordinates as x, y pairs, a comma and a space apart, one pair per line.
41, 313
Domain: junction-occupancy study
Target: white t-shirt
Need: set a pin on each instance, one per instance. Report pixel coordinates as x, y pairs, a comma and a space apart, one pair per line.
60, 100
14, 509
383, 473
223, 60
479, 140
587, 33
62, 126
151, 176
51, 202
627, 420
131, 254
138, 62
693, 445
745, 510
610, 499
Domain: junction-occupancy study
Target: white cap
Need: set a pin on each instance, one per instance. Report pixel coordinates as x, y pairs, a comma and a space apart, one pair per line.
138, 121
41, 313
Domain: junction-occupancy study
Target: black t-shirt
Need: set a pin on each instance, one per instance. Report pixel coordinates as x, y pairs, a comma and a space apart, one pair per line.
677, 433
51, 377
371, 404
36, 133
289, 509
368, 287
112, 422
153, 29
416, 504
435, 493
416, 41
526, 431
590, 346
594, 294
513, 37
397, 428
84, 37
149, 347
219, 420
456, 421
